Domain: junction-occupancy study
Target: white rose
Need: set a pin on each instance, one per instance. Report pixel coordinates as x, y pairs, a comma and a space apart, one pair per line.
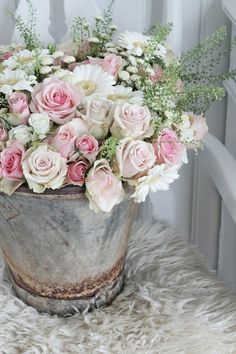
98, 118
40, 122
130, 120
22, 133
44, 168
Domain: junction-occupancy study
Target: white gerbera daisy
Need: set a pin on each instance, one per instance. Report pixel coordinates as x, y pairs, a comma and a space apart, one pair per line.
158, 179
20, 59
27, 60
95, 82
134, 42
121, 93
11, 80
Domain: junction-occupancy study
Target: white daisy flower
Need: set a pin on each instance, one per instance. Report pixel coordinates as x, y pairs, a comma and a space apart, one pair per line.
17, 80
94, 80
121, 93
27, 60
160, 51
134, 42
20, 59
158, 179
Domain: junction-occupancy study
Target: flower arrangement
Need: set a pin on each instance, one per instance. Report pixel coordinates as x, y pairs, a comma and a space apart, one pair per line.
97, 113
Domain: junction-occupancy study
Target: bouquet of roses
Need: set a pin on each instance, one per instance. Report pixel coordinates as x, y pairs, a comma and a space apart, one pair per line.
97, 113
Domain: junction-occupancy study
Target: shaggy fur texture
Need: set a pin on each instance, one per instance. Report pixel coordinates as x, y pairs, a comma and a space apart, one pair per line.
170, 304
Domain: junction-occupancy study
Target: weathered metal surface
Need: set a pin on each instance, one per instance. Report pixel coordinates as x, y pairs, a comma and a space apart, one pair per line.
60, 254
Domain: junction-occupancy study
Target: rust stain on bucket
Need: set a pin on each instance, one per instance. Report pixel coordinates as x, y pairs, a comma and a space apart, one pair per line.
86, 288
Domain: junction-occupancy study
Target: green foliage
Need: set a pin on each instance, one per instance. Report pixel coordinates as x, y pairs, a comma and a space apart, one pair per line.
80, 30
160, 32
3, 101
198, 98
160, 97
27, 29
97, 35
158, 35
200, 71
51, 48
108, 149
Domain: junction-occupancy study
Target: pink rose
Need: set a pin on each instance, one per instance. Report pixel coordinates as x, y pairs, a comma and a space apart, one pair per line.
64, 141
168, 149
111, 63
158, 73
88, 146
58, 98
104, 189
130, 120
76, 172
11, 161
134, 158
198, 126
18, 104
3, 133
6, 55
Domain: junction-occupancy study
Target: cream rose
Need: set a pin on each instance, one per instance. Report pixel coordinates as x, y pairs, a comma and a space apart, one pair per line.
97, 118
130, 120
21, 133
134, 158
104, 189
40, 122
44, 168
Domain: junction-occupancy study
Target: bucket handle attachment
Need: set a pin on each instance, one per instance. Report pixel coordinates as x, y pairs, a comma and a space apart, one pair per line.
7, 210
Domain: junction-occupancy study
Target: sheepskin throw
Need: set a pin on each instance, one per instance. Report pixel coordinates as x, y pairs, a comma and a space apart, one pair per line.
170, 304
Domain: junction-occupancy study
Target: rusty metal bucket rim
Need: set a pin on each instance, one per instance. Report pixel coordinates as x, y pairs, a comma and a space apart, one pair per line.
68, 192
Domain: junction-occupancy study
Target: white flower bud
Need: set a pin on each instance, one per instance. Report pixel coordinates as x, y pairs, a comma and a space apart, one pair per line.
45, 70
132, 69
124, 54
110, 45
112, 50
99, 18
140, 61
57, 54
134, 77
47, 61
69, 59
113, 27
93, 40
132, 60
124, 75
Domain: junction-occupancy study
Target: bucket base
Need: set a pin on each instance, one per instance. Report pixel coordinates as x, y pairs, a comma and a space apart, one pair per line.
61, 307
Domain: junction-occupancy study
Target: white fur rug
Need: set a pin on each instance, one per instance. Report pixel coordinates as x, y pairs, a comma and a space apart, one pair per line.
171, 304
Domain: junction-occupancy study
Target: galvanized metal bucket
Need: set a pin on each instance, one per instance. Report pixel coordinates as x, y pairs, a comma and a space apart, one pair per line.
61, 256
